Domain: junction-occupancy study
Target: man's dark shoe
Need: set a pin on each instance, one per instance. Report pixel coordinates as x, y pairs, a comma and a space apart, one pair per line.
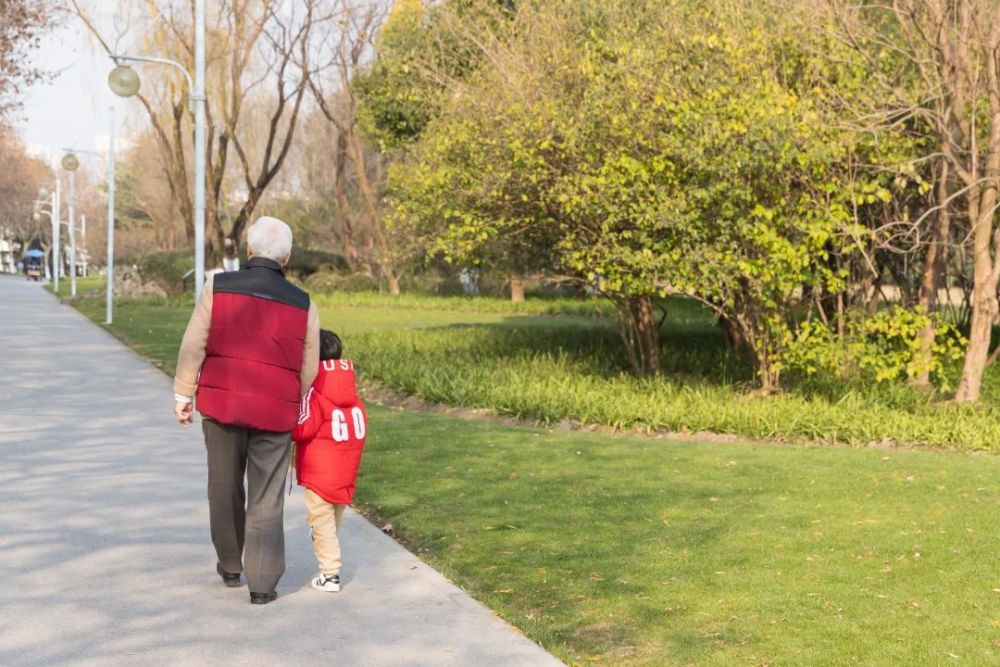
262, 598
229, 579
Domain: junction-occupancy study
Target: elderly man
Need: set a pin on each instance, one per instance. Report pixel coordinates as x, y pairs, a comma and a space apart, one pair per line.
251, 350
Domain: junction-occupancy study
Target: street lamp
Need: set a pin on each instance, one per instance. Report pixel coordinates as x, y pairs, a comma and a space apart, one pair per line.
124, 81
70, 160
54, 218
53, 214
70, 163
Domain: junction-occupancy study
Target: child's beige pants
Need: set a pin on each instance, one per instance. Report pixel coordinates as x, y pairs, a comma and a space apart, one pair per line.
324, 522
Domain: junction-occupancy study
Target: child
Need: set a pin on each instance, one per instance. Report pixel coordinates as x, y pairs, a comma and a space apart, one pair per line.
328, 444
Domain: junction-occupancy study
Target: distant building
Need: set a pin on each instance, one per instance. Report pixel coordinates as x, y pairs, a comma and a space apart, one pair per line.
10, 252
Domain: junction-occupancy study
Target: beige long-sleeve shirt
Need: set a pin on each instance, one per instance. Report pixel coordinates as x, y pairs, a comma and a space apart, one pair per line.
192, 353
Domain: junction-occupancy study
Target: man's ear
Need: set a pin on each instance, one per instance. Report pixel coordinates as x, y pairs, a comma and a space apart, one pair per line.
285, 261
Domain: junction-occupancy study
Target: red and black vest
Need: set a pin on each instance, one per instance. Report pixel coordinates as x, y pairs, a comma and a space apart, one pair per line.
253, 357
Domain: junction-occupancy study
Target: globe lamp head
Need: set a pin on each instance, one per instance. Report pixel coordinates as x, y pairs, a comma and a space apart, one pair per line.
124, 81
70, 162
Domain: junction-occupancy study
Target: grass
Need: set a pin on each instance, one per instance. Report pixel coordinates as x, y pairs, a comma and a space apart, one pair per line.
637, 551
619, 550
571, 368
592, 307
90, 284
577, 374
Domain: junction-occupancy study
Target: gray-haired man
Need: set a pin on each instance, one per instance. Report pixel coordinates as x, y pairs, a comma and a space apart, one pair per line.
250, 351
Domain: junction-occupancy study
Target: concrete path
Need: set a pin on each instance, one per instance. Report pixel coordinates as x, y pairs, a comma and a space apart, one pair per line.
105, 556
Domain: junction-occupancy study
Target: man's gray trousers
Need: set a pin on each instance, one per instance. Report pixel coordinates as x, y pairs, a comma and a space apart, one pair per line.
247, 526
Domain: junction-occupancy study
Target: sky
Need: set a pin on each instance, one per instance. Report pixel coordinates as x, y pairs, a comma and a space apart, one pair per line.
72, 110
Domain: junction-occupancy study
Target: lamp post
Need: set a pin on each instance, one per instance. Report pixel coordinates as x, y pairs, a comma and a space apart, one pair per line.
54, 217
70, 163
124, 81
53, 214
70, 160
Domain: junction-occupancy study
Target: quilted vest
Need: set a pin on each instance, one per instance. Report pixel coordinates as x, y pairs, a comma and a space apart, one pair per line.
253, 357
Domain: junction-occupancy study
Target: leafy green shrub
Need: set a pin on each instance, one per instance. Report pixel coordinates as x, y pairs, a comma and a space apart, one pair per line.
880, 347
167, 269
326, 281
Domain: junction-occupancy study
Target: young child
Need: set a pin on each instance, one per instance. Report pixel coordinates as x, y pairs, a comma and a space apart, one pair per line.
328, 444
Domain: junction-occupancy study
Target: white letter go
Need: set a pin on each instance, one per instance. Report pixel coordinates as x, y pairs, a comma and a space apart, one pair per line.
338, 425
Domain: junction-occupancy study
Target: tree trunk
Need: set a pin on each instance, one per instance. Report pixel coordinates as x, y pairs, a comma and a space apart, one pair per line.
516, 286
903, 282
984, 309
984, 296
933, 266
770, 377
343, 203
871, 302
736, 342
393, 281
640, 333
371, 198
752, 326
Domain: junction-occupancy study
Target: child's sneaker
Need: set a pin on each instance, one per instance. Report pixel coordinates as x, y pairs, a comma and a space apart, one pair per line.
327, 583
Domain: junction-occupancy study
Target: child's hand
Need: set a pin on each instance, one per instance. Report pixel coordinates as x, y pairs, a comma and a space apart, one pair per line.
184, 411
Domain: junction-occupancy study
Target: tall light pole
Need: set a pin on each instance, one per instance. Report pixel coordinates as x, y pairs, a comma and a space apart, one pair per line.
71, 164
111, 218
199, 146
124, 81
56, 260
54, 223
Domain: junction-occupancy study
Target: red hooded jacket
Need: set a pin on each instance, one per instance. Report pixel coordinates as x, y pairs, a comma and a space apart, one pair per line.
331, 433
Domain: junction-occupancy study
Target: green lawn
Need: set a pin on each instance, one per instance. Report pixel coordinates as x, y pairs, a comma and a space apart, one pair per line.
552, 368
83, 286
637, 551
627, 550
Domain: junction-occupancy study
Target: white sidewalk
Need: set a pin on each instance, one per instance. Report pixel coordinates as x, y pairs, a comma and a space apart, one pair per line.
105, 556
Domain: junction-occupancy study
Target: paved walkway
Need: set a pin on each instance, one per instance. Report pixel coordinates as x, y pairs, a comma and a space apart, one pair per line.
105, 556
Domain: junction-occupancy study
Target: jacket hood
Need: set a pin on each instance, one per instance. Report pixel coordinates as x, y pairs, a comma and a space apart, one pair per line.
336, 382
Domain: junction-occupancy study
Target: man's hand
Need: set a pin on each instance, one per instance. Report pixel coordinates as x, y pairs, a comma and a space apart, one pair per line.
184, 410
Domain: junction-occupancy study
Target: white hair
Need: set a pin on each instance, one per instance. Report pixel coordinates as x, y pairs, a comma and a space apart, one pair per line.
270, 238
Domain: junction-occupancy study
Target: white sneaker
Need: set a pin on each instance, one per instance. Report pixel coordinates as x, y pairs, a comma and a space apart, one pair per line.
327, 584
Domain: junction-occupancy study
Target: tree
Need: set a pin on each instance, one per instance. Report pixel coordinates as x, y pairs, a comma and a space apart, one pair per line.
343, 53
143, 202
951, 50
258, 66
20, 181
397, 101
648, 148
422, 51
21, 25
424, 56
